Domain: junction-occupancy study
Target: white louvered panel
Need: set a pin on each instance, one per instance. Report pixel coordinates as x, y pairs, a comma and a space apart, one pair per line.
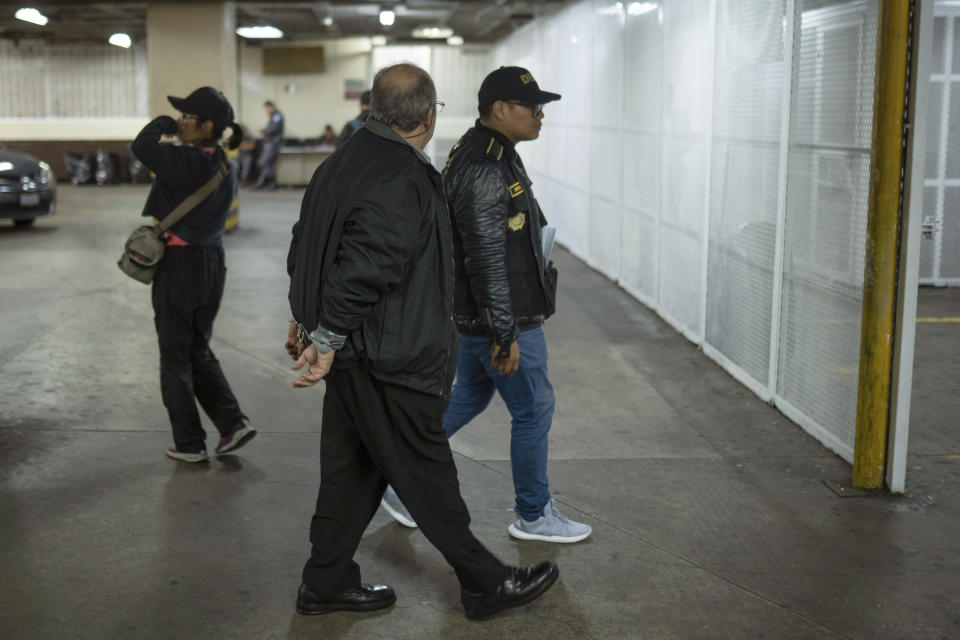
72, 81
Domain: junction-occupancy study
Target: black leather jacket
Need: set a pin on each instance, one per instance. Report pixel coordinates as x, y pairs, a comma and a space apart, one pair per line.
371, 259
502, 285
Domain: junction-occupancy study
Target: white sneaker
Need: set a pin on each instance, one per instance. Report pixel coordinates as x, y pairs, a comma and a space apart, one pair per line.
391, 504
173, 452
552, 526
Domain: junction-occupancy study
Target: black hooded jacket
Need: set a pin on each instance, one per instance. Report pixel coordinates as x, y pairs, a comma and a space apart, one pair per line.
502, 284
372, 259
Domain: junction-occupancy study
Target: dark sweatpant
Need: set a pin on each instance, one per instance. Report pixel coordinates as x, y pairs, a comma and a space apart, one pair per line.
187, 290
374, 433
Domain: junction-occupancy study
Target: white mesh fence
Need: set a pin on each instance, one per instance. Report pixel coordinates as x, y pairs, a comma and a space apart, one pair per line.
712, 157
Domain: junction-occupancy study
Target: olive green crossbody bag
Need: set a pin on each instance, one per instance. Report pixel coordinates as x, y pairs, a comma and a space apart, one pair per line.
144, 248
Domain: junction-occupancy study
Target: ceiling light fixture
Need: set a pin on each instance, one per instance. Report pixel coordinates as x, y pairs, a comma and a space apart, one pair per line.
640, 8
438, 33
120, 40
455, 41
31, 15
387, 17
328, 21
612, 10
260, 31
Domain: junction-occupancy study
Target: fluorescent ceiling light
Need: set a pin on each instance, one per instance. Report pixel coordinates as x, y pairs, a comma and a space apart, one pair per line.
120, 40
30, 15
387, 17
455, 41
432, 32
612, 10
328, 21
640, 8
6, 166
261, 31
378, 40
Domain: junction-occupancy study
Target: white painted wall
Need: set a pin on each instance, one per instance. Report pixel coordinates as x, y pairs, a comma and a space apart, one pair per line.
307, 101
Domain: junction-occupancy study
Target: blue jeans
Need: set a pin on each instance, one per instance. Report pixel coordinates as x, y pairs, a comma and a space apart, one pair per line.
528, 395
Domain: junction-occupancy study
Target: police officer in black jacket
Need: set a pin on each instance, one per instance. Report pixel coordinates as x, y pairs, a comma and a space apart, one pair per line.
189, 281
505, 290
371, 266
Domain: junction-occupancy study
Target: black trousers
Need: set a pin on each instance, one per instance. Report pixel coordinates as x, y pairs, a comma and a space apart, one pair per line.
187, 290
374, 433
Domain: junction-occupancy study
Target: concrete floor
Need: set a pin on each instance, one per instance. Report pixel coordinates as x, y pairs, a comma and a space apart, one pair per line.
710, 516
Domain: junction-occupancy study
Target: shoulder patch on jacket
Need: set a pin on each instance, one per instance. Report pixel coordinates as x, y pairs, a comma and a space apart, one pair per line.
516, 222
515, 189
494, 148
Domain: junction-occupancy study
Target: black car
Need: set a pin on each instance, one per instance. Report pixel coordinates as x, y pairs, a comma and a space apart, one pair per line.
27, 188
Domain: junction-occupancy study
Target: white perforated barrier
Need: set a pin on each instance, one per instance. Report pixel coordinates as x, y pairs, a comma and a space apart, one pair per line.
712, 157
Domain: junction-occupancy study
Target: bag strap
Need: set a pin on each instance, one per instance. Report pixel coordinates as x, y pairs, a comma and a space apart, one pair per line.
194, 199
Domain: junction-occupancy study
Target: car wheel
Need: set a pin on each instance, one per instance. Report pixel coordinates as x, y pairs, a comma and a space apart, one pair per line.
25, 222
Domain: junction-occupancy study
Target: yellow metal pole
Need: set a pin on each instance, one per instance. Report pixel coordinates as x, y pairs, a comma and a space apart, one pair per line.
883, 233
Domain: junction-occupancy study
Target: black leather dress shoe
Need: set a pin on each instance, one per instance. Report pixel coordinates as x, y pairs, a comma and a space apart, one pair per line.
523, 585
366, 597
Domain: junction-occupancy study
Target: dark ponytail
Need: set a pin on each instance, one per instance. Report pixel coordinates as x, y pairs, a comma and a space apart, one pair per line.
236, 136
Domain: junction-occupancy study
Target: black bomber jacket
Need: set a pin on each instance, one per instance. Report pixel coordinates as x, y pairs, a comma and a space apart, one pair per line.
502, 284
371, 259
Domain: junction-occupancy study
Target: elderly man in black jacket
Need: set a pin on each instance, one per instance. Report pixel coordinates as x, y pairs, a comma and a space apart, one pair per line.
371, 266
505, 289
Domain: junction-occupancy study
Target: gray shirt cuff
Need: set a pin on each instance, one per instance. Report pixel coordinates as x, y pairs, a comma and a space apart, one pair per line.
325, 340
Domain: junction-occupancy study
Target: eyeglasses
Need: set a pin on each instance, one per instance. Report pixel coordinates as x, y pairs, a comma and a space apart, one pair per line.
185, 116
440, 106
535, 109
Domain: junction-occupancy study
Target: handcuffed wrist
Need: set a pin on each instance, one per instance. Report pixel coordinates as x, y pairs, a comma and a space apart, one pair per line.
325, 340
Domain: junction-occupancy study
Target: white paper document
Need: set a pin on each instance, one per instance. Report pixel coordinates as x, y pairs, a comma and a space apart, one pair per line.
547, 235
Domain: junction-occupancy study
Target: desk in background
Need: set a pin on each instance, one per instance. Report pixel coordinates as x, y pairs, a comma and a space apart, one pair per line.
295, 165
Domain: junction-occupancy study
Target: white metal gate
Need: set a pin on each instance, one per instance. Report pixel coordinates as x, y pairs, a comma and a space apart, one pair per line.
940, 243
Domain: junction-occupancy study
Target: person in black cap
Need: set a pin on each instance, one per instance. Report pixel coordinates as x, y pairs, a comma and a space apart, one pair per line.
188, 284
354, 125
505, 290
272, 141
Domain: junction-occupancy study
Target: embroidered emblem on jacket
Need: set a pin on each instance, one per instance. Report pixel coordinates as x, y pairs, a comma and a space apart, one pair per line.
515, 189
516, 222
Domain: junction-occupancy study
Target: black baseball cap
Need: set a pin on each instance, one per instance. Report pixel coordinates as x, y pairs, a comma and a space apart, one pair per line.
206, 102
513, 83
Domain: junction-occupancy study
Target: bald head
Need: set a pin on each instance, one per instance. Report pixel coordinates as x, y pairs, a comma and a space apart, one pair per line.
402, 95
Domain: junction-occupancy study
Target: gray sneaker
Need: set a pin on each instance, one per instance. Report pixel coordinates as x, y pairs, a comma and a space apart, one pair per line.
552, 526
391, 504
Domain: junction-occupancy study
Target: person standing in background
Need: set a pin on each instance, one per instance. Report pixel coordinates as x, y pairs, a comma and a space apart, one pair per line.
272, 141
246, 158
354, 125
